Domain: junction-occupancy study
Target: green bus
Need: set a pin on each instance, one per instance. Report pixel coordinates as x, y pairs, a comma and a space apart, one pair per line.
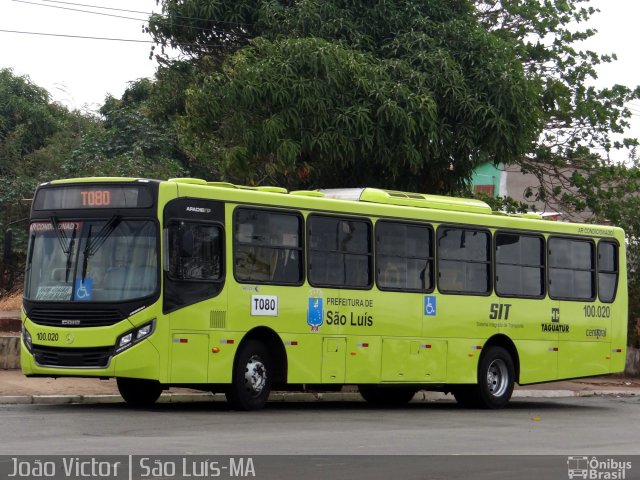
245, 290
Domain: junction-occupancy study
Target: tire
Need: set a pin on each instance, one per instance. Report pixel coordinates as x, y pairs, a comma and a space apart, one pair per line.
496, 377
139, 392
251, 380
387, 396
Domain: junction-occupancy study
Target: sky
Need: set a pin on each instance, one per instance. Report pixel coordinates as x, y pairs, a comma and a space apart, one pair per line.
77, 72
80, 73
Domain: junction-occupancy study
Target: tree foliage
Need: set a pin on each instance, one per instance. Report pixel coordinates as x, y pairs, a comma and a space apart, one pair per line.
583, 124
577, 158
41, 140
127, 140
326, 92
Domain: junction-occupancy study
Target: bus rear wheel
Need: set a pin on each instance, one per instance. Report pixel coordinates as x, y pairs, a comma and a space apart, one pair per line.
496, 377
139, 392
252, 374
387, 396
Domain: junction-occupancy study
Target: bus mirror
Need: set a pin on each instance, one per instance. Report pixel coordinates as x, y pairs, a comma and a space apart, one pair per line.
8, 238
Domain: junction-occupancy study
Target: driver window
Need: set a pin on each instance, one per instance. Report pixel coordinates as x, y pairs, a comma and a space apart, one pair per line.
194, 251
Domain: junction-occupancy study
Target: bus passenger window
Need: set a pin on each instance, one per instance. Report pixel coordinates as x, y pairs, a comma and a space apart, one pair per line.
404, 257
463, 261
571, 269
607, 271
339, 252
519, 265
268, 247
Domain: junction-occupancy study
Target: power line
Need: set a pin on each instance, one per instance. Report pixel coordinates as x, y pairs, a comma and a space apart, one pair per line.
80, 36
105, 38
97, 6
144, 13
79, 10
106, 14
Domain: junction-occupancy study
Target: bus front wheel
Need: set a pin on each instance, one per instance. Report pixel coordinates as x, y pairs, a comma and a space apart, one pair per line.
139, 392
251, 382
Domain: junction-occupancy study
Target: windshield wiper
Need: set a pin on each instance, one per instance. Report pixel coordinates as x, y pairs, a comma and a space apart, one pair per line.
72, 243
94, 244
62, 237
85, 254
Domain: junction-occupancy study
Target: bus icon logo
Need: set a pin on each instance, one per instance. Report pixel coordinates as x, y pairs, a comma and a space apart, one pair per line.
430, 306
578, 467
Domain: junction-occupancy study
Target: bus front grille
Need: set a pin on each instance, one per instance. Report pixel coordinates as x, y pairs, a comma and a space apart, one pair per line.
72, 357
75, 318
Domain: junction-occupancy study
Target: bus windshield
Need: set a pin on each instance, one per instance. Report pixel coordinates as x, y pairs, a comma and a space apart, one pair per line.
111, 260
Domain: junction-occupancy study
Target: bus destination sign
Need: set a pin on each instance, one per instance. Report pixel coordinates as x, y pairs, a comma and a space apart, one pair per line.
81, 197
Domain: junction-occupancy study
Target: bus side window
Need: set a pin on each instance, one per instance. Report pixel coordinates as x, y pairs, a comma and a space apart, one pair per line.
571, 269
404, 256
268, 247
340, 252
607, 270
194, 251
464, 261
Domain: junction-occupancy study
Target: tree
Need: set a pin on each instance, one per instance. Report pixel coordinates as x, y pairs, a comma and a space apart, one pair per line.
26, 118
127, 141
41, 140
413, 94
571, 159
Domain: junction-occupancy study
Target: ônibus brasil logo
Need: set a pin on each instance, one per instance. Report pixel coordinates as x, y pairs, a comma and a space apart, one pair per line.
597, 468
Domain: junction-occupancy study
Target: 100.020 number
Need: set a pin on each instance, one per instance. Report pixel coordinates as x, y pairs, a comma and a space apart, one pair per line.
47, 337
601, 311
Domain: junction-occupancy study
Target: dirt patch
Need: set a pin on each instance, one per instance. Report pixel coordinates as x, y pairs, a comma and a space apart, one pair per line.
11, 301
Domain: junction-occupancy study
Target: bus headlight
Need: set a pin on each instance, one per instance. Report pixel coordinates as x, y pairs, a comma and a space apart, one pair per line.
134, 336
26, 338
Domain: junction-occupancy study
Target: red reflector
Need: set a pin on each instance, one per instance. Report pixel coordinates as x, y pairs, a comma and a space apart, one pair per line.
294, 343
227, 342
618, 350
478, 347
362, 345
426, 346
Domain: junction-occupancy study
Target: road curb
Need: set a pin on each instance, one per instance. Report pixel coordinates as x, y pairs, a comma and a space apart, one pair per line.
284, 397
16, 400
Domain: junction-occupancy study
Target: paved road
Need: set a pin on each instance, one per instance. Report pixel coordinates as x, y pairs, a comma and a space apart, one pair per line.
564, 426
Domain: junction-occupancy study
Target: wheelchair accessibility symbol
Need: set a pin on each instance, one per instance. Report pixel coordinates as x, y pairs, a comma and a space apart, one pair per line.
84, 290
430, 306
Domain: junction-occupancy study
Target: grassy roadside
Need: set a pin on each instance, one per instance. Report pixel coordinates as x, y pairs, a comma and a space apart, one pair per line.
10, 301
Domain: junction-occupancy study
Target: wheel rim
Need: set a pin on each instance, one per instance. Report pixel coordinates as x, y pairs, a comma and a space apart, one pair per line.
497, 378
255, 376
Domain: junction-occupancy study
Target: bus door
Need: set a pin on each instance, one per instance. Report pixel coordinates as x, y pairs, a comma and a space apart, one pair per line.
194, 299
